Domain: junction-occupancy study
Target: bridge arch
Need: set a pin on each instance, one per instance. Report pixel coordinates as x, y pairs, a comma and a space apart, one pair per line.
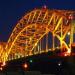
33, 26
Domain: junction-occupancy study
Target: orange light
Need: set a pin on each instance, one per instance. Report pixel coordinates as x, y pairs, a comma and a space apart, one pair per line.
1, 68
65, 54
70, 16
26, 65
68, 53
3, 64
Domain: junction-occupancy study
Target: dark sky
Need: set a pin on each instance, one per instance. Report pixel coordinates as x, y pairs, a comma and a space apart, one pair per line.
11, 12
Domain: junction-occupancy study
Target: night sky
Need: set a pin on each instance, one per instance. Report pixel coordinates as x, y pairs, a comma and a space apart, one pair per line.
11, 12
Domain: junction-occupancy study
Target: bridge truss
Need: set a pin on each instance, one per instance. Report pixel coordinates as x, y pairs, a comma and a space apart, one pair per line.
40, 30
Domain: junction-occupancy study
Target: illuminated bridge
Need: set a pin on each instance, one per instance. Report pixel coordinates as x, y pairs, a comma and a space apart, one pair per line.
40, 31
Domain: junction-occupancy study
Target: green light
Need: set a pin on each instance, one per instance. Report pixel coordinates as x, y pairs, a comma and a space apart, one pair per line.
30, 61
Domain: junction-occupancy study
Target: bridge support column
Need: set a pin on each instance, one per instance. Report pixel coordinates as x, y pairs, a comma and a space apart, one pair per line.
71, 34
61, 40
53, 41
47, 42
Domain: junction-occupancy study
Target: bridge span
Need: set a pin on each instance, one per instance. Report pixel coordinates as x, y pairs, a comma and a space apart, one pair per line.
40, 30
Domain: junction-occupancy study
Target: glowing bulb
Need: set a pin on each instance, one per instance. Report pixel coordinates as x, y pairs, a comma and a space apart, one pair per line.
57, 47
70, 16
69, 51
4, 63
1, 69
31, 61
68, 33
26, 65
30, 39
35, 44
65, 54
59, 64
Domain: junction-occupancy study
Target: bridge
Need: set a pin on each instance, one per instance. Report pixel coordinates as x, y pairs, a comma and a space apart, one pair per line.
40, 31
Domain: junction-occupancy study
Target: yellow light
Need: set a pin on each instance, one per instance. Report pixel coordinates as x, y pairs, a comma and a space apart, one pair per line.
30, 38
69, 51
35, 44
68, 33
57, 47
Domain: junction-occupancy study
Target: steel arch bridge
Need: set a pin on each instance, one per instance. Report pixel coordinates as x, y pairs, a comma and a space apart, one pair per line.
38, 32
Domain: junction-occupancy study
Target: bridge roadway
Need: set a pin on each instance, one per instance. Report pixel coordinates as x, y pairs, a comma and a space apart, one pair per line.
46, 63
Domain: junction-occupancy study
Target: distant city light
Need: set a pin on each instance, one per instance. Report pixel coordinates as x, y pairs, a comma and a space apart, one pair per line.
65, 54
25, 65
31, 61
1, 68
59, 64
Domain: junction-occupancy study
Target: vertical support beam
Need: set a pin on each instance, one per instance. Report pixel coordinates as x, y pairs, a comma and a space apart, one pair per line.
72, 28
55, 19
38, 49
35, 50
40, 46
26, 44
53, 44
53, 41
46, 42
61, 37
71, 34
